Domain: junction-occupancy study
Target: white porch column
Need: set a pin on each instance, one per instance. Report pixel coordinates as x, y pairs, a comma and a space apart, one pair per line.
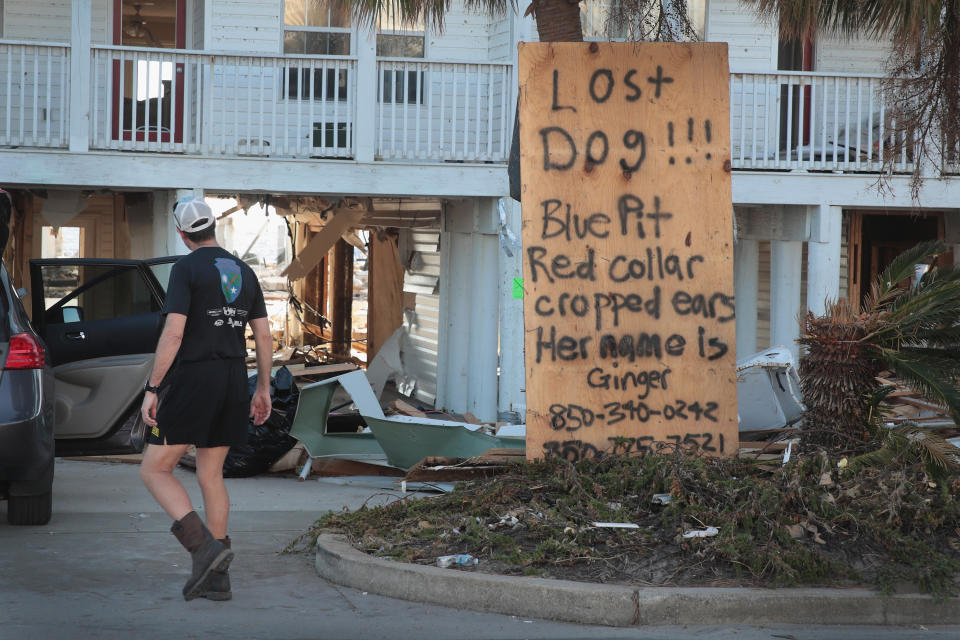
365, 123
162, 218
785, 260
455, 283
467, 376
484, 328
80, 76
823, 256
512, 372
746, 275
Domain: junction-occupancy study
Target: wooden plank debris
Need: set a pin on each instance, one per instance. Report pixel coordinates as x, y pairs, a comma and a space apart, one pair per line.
320, 245
302, 370
406, 409
385, 297
909, 405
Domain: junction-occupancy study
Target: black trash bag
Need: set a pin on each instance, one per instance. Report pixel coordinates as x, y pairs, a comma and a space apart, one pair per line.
269, 441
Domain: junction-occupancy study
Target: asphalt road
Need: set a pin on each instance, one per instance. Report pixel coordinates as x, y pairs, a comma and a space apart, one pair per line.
107, 567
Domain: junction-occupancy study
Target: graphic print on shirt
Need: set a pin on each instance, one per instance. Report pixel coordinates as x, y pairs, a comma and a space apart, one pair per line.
231, 316
231, 279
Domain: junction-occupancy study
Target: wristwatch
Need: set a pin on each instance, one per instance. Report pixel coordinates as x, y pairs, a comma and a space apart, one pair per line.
147, 387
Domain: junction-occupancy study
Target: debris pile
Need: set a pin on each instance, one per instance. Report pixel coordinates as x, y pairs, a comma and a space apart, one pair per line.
726, 522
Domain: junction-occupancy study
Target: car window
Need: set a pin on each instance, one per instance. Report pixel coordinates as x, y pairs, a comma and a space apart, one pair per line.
162, 273
85, 293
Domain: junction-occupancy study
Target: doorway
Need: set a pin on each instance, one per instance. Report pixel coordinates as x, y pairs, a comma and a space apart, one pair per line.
875, 238
794, 54
148, 89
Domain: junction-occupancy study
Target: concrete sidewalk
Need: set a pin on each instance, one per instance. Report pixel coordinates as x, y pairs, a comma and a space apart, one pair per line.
618, 605
106, 567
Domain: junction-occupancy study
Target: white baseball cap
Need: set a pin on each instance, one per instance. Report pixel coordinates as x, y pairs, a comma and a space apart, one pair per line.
193, 214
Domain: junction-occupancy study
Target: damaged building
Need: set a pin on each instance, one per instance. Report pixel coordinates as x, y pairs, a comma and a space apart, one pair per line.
392, 139
396, 137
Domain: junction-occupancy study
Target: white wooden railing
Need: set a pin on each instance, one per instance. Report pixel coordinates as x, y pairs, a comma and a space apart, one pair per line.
34, 89
191, 102
296, 106
814, 121
177, 101
444, 111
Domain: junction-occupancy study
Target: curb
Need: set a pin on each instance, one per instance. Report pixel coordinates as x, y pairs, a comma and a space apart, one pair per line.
618, 605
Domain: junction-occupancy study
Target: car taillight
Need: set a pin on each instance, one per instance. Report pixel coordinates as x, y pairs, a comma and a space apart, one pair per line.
25, 353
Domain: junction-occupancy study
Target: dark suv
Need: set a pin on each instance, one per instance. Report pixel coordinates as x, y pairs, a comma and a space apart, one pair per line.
72, 380
26, 413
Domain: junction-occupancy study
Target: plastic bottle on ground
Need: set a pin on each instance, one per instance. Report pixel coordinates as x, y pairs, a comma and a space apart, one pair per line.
462, 559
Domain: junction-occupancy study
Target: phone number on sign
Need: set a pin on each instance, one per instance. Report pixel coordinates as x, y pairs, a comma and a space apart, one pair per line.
571, 417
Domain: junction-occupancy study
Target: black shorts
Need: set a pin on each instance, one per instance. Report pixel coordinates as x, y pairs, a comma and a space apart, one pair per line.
206, 404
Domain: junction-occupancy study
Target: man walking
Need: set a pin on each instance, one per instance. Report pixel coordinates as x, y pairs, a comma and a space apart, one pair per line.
210, 298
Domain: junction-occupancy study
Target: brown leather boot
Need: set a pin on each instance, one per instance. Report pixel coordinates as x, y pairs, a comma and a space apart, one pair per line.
217, 584
206, 552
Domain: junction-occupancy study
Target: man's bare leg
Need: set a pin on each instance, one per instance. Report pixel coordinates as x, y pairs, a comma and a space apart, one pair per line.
156, 470
216, 502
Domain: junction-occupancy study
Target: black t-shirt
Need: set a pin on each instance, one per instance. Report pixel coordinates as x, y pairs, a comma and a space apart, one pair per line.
219, 294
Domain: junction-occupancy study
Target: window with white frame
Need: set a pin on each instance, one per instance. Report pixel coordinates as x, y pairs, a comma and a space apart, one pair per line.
316, 27
600, 22
400, 39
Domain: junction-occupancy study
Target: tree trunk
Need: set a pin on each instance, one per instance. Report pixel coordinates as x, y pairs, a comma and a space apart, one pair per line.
837, 375
558, 21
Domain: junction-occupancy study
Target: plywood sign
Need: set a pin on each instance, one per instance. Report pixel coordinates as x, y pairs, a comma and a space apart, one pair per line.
628, 248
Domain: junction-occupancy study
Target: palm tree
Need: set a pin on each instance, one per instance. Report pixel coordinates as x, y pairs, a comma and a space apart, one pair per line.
557, 20
910, 330
923, 66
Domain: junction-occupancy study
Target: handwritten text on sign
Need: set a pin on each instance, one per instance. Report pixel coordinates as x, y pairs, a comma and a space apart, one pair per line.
628, 256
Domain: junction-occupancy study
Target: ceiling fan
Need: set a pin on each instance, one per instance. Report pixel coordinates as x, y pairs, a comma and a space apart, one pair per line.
136, 26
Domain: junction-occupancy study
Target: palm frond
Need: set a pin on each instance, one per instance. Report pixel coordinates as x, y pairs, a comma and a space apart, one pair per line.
405, 12
904, 19
943, 337
930, 375
903, 266
912, 443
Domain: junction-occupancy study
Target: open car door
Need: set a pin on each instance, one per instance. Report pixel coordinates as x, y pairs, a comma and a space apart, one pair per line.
101, 320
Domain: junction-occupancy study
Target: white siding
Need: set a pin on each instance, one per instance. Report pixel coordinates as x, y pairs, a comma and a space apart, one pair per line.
423, 323
501, 47
49, 20
753, 45
253, 26
841, 54
465, 37
39, 20
101, 22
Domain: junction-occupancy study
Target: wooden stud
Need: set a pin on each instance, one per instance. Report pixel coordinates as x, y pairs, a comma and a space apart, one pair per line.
385, 291
342, 298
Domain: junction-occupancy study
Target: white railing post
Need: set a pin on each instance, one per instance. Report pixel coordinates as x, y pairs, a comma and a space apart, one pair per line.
366, 107
80, 76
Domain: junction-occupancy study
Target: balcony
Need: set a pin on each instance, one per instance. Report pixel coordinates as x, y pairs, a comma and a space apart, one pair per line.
209, 104
803, 121
392, 110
